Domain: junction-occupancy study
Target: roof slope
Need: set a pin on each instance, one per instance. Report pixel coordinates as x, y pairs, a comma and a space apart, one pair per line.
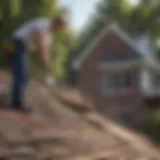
139, 45
53, 131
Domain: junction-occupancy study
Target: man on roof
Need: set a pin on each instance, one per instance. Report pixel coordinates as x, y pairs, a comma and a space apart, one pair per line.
33, 36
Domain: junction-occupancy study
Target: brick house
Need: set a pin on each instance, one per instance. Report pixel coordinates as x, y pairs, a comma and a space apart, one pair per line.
119, 75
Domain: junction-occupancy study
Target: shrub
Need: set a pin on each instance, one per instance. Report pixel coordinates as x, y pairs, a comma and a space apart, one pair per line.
152, 125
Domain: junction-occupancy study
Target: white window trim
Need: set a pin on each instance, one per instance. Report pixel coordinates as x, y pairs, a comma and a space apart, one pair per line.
120, 65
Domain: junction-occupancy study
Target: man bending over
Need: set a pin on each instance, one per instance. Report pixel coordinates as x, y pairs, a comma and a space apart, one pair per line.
33, 36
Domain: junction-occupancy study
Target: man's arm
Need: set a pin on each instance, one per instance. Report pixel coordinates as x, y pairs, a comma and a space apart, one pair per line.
43, 47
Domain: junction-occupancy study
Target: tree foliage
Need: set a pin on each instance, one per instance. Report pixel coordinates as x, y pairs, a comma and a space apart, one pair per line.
14, 13
137, 19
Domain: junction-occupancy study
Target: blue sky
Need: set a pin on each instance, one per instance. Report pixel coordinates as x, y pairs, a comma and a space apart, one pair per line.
81, 9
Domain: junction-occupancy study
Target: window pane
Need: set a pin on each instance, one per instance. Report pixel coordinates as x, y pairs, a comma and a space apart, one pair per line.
129, 79
119, 80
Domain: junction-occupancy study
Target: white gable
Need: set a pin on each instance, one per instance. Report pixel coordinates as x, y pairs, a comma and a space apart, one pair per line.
140, 44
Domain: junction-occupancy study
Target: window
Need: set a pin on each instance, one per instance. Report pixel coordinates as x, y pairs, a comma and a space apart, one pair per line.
118, 81
156, 80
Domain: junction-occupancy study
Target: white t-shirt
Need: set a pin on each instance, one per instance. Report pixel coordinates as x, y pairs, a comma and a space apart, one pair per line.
24, 32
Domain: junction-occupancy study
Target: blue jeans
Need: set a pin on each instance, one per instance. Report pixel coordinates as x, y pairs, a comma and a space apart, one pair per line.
19, 61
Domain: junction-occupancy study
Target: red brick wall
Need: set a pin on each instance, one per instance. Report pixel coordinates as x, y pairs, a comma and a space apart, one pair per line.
90, 78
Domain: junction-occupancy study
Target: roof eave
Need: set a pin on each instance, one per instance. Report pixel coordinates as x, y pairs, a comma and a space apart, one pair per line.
78, 62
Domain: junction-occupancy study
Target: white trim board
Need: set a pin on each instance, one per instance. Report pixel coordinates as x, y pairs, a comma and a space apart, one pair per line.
119, 65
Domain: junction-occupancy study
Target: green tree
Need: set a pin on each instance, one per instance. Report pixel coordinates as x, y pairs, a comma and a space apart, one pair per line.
138, 19
62, 48
15, 12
